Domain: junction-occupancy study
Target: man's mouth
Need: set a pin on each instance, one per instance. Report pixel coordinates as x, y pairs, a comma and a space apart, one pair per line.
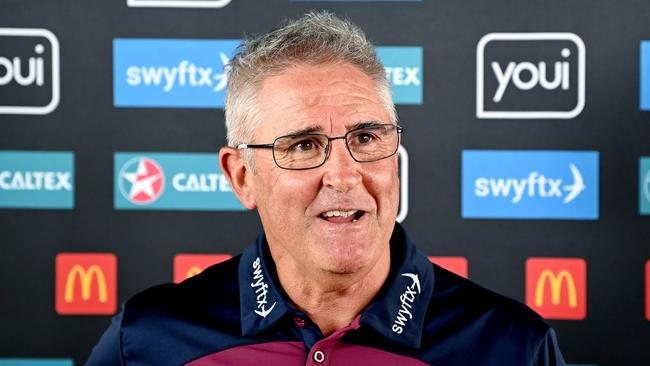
341, 216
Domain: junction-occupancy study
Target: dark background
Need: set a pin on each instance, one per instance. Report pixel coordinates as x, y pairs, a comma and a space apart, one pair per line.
616, 246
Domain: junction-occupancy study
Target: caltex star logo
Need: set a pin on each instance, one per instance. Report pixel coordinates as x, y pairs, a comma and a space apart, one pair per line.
141, 180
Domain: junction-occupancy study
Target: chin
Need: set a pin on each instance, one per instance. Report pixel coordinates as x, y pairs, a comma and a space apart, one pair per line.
345, 260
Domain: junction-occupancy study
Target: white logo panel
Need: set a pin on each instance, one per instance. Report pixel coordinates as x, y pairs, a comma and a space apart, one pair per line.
509, 76
29, 72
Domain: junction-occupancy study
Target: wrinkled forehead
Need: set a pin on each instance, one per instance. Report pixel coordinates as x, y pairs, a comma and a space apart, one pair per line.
326, 98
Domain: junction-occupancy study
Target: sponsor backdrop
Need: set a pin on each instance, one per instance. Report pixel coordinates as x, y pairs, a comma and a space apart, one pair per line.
525, 163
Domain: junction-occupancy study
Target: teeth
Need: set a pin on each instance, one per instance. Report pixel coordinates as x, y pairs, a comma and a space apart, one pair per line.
338, 213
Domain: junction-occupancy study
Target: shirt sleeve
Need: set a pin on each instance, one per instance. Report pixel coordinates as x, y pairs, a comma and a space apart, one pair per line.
548, 353
108, 351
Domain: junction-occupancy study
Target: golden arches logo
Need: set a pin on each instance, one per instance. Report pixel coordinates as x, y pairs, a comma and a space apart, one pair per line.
556, 287
193, 271
85, 276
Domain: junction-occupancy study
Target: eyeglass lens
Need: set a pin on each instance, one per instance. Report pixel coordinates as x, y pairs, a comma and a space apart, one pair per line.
309, 150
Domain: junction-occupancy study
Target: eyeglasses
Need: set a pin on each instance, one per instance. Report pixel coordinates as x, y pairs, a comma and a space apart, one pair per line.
310, 150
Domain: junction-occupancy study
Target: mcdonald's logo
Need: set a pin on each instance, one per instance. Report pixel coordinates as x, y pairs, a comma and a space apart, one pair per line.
86, 284
188, 265
647, 290
457, 265
556, 288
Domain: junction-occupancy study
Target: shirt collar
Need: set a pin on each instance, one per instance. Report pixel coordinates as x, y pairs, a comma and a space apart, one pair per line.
399, 309
397, 312
262, 300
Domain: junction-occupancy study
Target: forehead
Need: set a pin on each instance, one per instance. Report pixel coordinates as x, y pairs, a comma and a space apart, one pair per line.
330, 97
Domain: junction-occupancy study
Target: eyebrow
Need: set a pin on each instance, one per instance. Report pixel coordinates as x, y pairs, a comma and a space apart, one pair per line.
306, 130
363, 125
319, 129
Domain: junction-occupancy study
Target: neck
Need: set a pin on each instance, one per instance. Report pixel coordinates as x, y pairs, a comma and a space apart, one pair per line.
332, 300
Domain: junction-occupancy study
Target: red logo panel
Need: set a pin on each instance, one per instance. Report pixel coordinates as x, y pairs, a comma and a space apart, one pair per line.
556, 288
86, 283
457, 265
188, 265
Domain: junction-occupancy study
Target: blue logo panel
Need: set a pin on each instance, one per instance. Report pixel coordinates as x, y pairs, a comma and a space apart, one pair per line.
404, 71
644, 186
530, 184
35, 362
645, 75
163, 181
30, 179
183, 73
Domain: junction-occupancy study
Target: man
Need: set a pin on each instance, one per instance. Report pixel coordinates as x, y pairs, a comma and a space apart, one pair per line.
333, 280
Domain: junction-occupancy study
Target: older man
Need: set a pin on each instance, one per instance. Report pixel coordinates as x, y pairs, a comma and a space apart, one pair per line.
332, 280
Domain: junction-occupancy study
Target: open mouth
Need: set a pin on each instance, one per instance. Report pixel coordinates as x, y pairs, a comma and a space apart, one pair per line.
341, 216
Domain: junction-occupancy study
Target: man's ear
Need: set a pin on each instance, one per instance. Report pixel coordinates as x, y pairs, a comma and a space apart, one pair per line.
234, 167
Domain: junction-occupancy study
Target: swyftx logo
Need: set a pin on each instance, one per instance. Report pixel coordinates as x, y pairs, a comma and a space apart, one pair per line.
534, 185
530, 184
29, 71
171, 72
530, 75
407, 300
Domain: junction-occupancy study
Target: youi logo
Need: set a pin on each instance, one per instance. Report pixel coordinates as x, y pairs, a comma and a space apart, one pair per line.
29, 71
530, 184
530, 75
183, 73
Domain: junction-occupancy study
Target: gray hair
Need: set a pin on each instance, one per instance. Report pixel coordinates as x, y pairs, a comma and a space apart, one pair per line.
316, 38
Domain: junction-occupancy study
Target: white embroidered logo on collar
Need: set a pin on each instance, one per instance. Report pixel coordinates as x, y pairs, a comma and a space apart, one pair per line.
261, 289
407, 299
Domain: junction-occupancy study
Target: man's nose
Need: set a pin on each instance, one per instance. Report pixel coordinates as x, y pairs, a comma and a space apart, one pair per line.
341, 171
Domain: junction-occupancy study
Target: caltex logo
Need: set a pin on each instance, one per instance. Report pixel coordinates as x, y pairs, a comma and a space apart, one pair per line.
644, 185
141, 180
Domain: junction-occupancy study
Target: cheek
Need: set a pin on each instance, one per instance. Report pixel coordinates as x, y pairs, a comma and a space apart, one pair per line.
383, 183
286, 194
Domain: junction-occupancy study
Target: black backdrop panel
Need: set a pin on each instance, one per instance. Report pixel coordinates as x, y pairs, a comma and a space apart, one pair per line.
85, 122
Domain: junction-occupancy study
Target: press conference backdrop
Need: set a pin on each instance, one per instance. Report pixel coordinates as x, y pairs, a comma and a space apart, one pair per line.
525, 162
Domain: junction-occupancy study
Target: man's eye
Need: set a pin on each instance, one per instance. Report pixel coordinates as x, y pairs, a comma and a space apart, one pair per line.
365, 138
303, 146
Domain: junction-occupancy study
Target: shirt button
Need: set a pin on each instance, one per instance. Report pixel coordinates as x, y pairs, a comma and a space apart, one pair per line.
300, 322
319, 356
